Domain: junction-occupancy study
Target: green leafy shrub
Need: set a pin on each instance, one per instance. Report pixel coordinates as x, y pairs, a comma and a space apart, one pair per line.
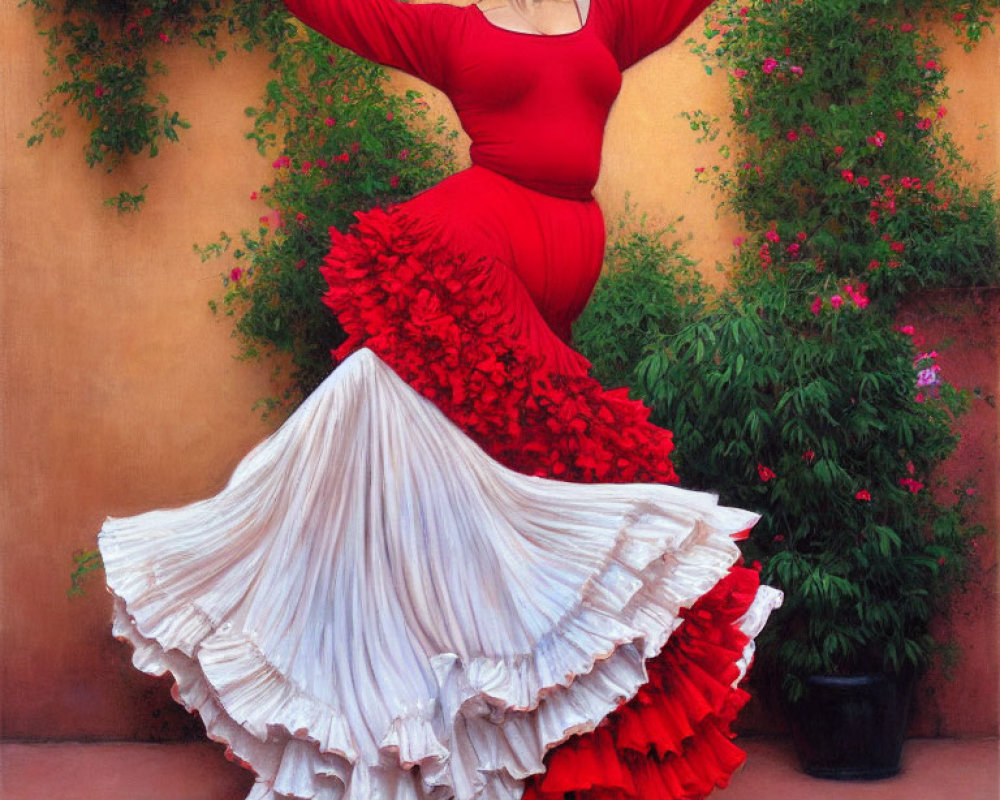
649, 287
341, 143
794, 391
830, 424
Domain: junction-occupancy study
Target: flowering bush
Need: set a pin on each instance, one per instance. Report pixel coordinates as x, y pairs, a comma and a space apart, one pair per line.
843, 161
794, 391
340, 143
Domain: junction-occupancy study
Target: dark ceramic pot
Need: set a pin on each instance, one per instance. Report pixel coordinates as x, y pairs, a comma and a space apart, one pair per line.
851, 728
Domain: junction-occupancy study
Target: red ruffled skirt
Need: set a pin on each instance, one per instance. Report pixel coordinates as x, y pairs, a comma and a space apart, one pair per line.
461, 291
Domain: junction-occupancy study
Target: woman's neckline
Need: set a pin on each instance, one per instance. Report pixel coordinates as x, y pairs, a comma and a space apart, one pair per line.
564, 35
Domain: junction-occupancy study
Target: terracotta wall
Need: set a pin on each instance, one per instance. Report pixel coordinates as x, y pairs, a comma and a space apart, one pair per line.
119, 390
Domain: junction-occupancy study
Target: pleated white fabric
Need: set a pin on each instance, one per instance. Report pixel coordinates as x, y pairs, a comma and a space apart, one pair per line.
372, 593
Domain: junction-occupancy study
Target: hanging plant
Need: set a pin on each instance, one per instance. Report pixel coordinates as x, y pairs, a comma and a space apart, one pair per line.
106, 53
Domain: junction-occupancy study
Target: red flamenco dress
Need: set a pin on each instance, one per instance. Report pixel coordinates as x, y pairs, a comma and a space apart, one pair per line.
460, 569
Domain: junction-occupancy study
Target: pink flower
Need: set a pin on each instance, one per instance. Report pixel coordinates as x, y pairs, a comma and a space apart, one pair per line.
795, 70
744, 11
394, 181
404, 154
874, 264
801, 236
836, 301
235, 274
739, 74
924, 124
906, 27
907, 330
164, 38
942, 561
863, 181
793, 249
930, 64
958, 16
817, 306
300, 264
941, 112
863, 495
847, 175
769, 65
911, 484
772, 236
254, 195
766, 473
792, 136
98, 91
329, 122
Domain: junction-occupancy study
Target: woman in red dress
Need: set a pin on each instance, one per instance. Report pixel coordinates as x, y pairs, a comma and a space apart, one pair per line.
460, 569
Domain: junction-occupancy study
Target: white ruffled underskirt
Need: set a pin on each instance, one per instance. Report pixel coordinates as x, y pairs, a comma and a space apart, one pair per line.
372, 593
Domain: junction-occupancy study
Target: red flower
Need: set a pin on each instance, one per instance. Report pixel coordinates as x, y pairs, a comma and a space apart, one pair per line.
847, 175
863, 495
394, 181
912, 484
235, 274
164, 38
838, 151
817, 306
766, 473
772, 236
792, 136
778, 538
809, 456
836, 301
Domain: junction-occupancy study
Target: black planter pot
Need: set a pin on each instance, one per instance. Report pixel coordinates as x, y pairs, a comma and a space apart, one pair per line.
851, 728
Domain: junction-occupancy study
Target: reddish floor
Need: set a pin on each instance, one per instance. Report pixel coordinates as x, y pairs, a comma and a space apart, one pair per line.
934, 769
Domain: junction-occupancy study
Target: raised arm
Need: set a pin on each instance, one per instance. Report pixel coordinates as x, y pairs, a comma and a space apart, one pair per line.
415, 38
635, 28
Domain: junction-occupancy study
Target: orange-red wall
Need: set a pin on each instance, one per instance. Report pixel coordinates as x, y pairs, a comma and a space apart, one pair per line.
120, 393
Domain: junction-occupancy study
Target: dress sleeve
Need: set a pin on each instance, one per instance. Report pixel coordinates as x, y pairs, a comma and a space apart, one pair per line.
412, 37
635, 28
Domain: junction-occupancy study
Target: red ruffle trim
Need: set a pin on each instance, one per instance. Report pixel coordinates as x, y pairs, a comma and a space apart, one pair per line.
673, 739
463, 332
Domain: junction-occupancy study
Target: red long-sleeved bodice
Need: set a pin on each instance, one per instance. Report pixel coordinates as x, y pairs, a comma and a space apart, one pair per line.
534, 105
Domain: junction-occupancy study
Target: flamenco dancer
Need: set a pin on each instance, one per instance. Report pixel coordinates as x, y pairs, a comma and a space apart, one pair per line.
460, 570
